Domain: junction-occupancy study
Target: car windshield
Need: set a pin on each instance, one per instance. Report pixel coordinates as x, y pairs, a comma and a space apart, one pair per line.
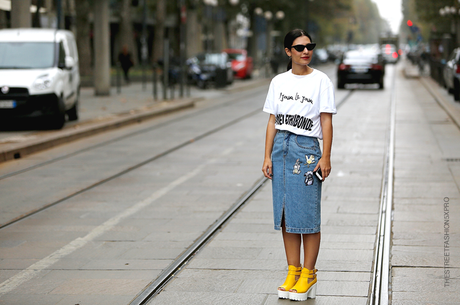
321, 52
388, 49
236, 56
357, 57
26, 55
211, 59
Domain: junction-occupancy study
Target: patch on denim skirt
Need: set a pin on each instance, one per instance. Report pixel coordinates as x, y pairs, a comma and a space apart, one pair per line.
308, 178
296, 170
310, 160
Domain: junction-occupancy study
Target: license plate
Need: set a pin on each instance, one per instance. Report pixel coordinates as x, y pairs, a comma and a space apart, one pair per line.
7, 104
360, 70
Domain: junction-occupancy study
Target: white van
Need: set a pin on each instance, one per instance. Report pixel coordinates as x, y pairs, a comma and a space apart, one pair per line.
39, 75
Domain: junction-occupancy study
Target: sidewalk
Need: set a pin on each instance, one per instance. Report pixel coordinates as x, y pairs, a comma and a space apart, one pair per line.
102, 113
426, 242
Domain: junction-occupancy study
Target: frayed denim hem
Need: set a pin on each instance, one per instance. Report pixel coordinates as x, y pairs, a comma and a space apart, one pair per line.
299, 231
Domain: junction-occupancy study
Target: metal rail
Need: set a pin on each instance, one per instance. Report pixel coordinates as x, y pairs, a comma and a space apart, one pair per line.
380, 289
169, 273
131, 168
155, 287
119, 138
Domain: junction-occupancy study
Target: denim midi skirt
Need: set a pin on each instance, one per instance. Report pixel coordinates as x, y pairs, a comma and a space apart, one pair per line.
296, 190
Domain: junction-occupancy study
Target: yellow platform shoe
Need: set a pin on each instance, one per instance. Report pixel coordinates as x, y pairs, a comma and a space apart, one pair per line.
283, 290
303, 290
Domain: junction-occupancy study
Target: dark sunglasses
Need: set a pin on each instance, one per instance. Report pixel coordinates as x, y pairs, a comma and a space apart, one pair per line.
301, 47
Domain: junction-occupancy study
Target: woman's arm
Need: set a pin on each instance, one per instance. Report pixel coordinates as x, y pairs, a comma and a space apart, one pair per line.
325, 161
269, 139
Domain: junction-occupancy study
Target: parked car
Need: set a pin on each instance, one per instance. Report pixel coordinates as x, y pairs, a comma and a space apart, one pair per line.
451, 74
242, 64
390, 53
39, 75
210, 68
322, 55
365, 66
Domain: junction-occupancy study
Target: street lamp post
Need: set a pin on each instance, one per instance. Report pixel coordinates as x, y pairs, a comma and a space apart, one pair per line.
209, 9
270, 60
232, 38
268, 53
258, 12
452, 12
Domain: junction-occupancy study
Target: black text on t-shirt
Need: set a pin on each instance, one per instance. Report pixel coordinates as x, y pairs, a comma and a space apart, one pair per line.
297, 98
296, 120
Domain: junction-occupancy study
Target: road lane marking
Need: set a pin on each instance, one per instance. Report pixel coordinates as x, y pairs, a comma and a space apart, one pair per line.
33, 270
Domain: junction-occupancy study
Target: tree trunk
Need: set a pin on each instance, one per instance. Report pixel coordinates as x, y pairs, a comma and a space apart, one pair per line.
3, 20
159, 30
101, 48
69, 10
252, 40
83, 37
20, 14
194, 39
126, 34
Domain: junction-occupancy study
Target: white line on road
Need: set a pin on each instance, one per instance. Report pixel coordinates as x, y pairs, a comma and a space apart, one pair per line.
33, 270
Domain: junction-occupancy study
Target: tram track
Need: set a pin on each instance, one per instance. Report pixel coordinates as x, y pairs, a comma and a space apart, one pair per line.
156, 286
380, 284
178, 263
130, 169
116, 139
137, 165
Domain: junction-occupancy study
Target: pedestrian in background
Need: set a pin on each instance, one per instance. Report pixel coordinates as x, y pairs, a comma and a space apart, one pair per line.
125, 61
301, 104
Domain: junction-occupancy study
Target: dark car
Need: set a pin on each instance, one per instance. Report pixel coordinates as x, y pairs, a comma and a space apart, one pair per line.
241, 63
210, 68
362, 66
451, 74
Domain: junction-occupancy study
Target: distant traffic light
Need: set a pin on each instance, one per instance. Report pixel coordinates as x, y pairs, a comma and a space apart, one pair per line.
409, 23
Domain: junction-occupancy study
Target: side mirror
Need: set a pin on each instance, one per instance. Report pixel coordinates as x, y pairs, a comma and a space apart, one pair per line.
69, 62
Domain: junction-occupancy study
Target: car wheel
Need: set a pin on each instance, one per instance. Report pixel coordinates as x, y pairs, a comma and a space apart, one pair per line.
201, 84
381, 86
456, 90
340, 84
58, 119
72, 113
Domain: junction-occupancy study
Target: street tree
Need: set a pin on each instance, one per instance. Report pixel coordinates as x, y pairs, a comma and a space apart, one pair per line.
83, 37
126, 34
158, 38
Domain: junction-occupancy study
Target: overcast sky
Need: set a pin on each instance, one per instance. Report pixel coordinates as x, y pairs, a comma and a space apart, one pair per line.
391, 11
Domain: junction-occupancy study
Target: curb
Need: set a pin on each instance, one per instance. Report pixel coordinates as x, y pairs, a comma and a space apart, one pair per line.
451, 111
19, 150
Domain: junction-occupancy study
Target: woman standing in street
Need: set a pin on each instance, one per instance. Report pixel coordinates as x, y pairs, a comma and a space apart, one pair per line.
301, 104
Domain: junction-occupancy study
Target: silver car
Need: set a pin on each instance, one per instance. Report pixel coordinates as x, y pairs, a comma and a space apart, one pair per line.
451, 74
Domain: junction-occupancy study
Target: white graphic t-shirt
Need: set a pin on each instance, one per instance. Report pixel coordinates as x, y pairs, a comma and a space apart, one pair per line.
298, 100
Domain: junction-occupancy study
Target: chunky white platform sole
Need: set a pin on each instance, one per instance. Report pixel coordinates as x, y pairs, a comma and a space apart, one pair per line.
283, 294
310, 294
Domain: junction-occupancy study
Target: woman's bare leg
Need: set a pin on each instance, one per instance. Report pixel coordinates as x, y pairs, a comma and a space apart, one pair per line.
311, 249
292, 244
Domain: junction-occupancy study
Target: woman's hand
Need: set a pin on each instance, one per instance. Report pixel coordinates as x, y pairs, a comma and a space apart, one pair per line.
267, 168
269, 138
325, 164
